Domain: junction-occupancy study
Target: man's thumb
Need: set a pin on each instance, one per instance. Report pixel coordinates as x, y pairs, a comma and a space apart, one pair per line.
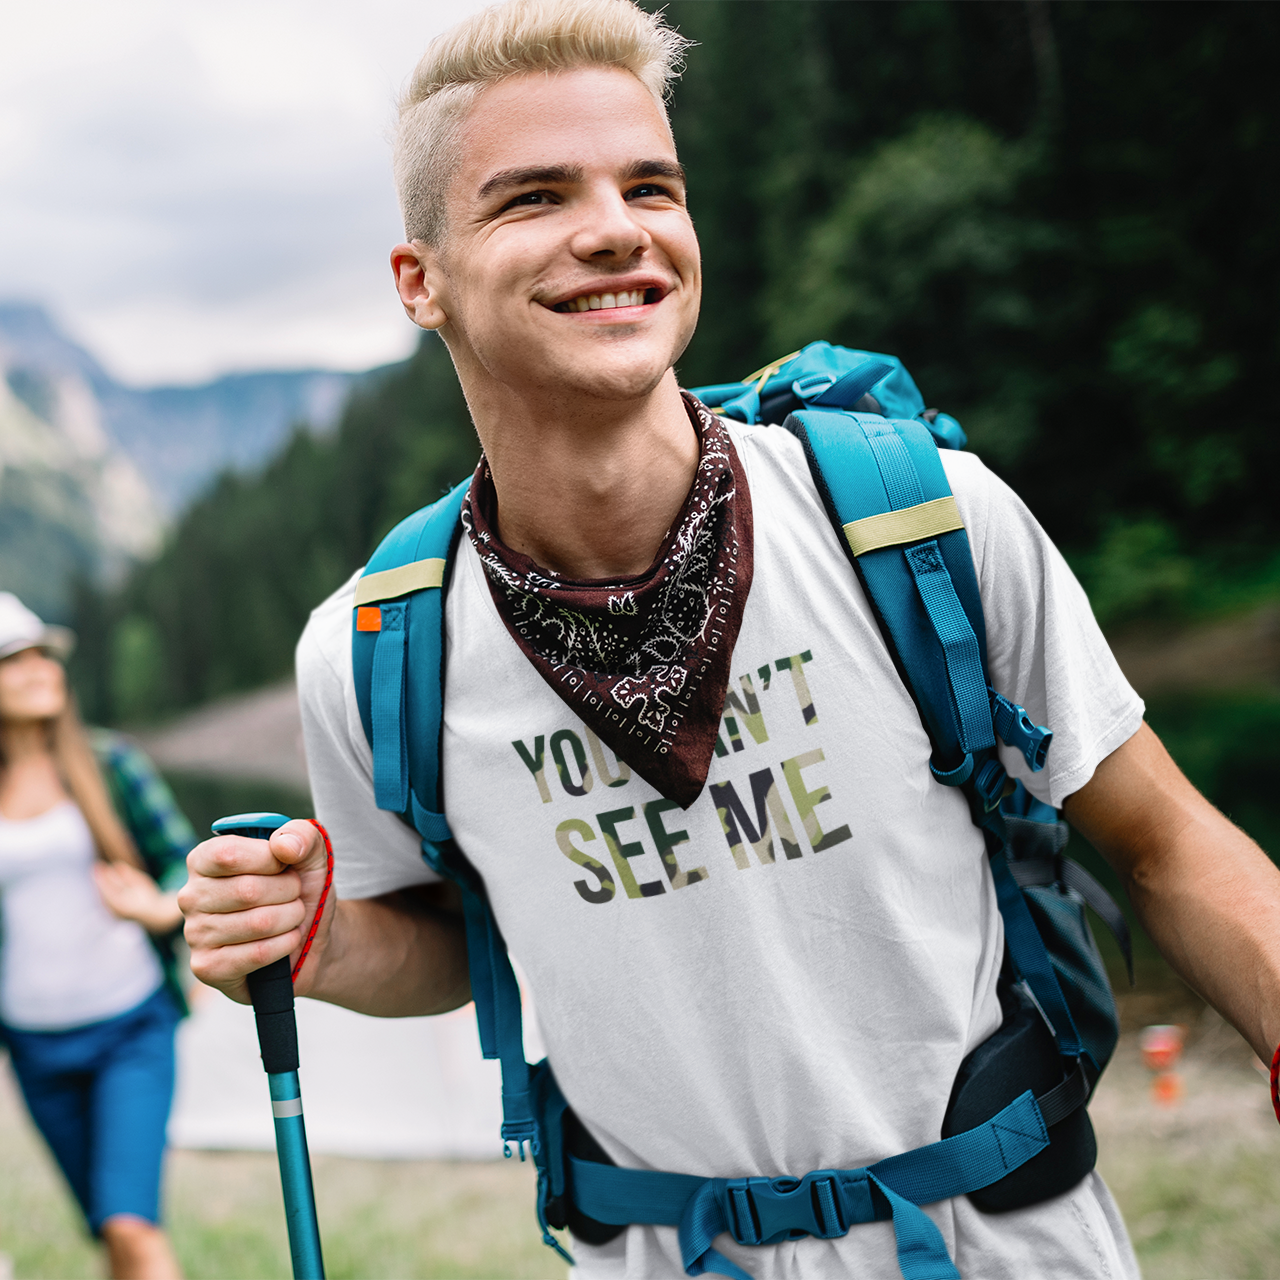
298, 844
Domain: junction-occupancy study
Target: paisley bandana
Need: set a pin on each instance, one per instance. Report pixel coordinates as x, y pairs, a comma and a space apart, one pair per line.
644, 661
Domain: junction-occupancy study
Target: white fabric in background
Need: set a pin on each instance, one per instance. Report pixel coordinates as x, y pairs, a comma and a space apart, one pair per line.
388, 1088
738, 1004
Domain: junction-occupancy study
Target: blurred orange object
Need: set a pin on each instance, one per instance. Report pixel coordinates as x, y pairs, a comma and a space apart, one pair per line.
1161, 1046
1166, 1088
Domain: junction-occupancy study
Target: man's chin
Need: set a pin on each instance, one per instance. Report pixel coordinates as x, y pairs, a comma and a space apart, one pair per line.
612, 380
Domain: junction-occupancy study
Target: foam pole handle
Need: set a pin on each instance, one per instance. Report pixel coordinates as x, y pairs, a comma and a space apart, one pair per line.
271, 990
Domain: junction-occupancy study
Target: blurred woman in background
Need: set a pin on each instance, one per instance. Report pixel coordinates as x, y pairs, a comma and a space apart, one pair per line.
91, 857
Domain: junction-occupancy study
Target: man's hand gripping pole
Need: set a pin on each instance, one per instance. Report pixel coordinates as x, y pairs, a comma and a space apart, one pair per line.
271, 990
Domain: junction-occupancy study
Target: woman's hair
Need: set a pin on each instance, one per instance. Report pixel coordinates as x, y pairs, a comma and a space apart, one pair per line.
79, 768
69, 744
511, 39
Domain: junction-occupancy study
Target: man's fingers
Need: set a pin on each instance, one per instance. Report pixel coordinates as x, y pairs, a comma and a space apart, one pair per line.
239, 893
225, 967
233, 856
299, 844
205, 932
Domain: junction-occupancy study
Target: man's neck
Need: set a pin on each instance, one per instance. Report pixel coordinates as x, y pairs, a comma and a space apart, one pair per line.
588, 489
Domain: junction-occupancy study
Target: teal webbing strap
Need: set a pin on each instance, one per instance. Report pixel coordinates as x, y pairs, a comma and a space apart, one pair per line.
498, 1016
1030, 958
959, 645
390, 746
432, 826
825, 1203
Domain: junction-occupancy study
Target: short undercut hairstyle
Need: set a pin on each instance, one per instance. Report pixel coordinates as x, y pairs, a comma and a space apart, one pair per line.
507, 40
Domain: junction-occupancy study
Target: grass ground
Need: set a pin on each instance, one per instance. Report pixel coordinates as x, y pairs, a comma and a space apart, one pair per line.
383, 1219
1199, 1186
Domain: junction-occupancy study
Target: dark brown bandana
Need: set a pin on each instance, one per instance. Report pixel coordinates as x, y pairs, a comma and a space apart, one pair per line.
643, 662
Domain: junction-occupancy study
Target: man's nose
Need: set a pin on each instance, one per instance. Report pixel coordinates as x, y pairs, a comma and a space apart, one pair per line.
607, 228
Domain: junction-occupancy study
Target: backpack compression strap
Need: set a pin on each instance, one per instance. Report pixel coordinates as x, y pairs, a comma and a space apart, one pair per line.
398, 661
887, 494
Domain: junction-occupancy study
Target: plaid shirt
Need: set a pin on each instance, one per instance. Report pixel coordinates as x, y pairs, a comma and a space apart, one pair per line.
159, 828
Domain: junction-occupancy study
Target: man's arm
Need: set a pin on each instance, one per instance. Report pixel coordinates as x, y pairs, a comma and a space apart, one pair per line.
249, 902
1207, 894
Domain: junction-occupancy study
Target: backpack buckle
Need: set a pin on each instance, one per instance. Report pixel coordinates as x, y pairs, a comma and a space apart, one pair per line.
770, 1210
988, 786
1017, 730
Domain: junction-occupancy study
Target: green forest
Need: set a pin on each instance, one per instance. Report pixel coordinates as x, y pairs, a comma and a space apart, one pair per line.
1060, 215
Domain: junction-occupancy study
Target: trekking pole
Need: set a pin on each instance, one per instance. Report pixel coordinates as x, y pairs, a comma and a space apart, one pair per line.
271, 990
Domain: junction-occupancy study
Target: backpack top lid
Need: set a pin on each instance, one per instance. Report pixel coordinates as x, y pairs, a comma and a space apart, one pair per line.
823, 376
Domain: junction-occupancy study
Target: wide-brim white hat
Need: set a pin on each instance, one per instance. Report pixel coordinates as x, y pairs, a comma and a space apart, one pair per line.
21, 629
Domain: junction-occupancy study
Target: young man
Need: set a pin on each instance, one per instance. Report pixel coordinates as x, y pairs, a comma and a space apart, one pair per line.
763, 962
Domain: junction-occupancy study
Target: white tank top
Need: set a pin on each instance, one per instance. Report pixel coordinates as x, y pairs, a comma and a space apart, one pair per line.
65, 960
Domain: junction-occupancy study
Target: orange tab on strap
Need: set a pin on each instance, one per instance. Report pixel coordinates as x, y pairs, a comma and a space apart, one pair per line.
368, 618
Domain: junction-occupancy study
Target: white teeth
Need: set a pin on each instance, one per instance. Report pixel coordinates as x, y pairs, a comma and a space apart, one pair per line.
605, 301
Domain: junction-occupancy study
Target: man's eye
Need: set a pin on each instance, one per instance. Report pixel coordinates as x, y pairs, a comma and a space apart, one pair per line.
647, 189
529, 197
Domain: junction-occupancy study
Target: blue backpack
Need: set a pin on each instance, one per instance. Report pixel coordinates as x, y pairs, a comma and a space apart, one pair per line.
1016, 1130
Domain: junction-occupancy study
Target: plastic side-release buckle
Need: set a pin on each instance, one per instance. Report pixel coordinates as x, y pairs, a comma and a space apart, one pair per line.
988, 786
1017, 731
770, 1210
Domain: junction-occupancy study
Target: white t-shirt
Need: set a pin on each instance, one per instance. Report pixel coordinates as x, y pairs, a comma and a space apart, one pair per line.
791, 981
66, 960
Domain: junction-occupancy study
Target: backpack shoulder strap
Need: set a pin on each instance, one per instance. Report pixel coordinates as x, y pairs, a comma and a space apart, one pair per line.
397, 651
885, 490
400, 592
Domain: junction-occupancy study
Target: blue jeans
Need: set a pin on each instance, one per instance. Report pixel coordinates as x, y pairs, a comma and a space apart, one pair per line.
100, 1095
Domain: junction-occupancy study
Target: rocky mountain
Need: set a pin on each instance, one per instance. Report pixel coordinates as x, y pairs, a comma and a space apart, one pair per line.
91, 469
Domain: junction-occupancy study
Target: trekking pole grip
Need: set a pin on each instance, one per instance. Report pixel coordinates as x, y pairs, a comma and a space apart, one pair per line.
271, 991
271, 987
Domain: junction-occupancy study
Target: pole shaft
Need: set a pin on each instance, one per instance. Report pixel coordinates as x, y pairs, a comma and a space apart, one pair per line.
295, 1176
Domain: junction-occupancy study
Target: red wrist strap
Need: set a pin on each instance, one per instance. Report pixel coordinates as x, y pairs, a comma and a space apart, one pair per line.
324, 897
1275, 1082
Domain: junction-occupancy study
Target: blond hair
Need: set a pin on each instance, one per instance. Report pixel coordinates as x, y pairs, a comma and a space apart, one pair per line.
78, 765
506, 40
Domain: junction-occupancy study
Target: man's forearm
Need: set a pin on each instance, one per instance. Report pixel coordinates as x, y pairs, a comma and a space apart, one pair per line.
396, 956
1206, 894
1211, 903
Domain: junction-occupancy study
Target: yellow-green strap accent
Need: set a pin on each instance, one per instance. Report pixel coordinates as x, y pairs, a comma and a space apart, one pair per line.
911, 524
391, 583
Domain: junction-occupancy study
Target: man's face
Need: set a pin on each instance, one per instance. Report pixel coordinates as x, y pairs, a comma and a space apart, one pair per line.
570, 262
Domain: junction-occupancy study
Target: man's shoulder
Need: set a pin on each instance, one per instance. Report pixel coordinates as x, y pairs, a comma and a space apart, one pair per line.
325, 645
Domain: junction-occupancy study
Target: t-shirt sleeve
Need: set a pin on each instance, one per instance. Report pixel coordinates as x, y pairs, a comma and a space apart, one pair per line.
1045, 650
373, 851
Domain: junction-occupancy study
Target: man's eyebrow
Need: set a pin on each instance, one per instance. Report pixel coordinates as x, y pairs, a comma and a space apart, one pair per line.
654, 169
562, 174
536, 175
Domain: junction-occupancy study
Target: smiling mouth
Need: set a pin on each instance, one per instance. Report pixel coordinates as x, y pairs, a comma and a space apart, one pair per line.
610, 301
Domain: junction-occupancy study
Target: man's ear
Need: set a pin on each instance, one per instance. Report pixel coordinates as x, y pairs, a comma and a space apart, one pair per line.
420, 283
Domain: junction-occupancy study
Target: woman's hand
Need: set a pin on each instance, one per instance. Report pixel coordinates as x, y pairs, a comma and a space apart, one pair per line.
131, 894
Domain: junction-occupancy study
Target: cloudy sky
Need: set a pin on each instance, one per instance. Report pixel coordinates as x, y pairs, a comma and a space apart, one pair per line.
198, 186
